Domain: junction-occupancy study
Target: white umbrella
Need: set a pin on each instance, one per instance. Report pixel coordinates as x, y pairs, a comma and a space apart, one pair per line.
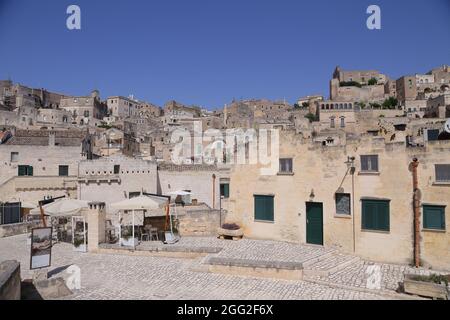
137, 203
62, 208
28, 205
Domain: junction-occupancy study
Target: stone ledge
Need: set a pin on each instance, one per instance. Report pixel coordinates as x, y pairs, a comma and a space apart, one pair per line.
248, 263
10, 281
180, 249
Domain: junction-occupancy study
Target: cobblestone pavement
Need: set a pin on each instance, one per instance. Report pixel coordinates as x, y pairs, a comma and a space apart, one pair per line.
356, 275
114, 276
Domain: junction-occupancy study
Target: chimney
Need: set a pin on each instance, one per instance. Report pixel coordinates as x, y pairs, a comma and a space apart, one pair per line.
51, 139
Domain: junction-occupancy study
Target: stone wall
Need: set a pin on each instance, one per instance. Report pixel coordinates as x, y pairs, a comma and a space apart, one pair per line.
321, 172
10, 280
9, 230
199, 223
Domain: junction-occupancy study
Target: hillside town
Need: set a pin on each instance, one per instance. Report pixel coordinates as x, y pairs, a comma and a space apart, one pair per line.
358, 176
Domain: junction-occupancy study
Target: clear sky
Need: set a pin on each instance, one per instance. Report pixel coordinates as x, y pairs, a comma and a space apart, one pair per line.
207, 52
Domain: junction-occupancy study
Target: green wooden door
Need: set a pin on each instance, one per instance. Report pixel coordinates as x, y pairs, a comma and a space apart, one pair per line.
314, 223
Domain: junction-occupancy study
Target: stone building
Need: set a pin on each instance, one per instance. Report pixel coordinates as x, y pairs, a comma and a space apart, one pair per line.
38, 163
438, 107
318, 198
112, 179
356, 85
87, 110
406, 88
122, 107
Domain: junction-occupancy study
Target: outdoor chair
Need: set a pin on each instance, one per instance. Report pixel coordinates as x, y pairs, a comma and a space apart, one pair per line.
154, 234
146, 233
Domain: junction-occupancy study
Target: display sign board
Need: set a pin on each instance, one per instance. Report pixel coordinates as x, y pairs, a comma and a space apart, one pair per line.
41, 248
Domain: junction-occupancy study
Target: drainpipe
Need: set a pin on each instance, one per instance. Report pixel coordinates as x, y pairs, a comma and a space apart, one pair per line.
214, 191
416, 207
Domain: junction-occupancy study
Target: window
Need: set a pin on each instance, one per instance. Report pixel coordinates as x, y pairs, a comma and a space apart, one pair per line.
14, 156
343, 203
434, 217
86, 114
286, 166
375, 215
332, 125
225, 190
25, 171
342, 122
116, 169
442, 172
264, 208
369, 163
63, 171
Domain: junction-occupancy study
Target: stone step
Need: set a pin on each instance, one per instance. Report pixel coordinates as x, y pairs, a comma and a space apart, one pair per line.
328, 264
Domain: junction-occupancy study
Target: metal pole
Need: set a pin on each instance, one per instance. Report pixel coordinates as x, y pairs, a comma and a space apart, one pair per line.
353, 207
220, 212
134, 244
120, 228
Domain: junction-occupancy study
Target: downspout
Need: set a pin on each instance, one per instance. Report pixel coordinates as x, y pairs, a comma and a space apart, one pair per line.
416, 207
214, 191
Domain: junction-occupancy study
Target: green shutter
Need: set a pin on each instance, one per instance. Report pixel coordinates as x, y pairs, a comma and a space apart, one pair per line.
22, 171
434, 217
264, 210
375, 215
30, 171
226, 190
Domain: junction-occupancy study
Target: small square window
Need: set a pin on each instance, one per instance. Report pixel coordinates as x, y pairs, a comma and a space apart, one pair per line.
375, 215
434, 217
14, 156
286, 165
369, 163
63, 171
264, 208
343, 203
442, 172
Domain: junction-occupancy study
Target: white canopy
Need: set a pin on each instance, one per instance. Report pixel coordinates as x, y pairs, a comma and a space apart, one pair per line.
28, 205
62, 208
137, 203
180, 193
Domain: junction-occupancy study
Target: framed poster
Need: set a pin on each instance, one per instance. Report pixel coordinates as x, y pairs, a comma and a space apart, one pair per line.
41, 248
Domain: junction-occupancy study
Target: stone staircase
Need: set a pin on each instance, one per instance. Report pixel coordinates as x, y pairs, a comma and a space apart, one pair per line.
327, 264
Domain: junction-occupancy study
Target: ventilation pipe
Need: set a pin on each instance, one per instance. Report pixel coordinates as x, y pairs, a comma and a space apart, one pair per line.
416, 207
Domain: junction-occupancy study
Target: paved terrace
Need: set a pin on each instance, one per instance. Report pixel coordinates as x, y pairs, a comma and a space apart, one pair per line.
330, 275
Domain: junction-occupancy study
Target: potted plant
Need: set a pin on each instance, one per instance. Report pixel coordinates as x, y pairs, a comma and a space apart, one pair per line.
230, 230
433, 286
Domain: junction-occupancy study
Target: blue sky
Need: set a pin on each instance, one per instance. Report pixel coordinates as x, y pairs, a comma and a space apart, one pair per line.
207, 52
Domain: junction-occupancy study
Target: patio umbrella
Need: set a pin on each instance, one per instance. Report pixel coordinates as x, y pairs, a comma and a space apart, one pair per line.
133, 204
62, 208
28, 205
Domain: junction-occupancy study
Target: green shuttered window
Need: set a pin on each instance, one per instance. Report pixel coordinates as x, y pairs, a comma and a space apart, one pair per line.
375, 215
434, 217
225, 190
24, 171
264, 208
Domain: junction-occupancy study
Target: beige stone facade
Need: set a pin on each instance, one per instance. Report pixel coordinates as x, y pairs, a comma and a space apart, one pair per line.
319, 172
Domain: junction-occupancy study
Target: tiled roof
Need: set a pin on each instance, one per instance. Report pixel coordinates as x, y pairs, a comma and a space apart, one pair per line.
69, 138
